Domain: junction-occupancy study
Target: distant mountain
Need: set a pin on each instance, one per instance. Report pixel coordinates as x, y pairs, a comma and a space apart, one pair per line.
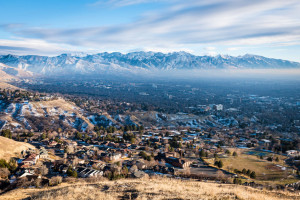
138, 61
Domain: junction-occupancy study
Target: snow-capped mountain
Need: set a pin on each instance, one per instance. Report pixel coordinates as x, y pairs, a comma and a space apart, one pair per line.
137, 61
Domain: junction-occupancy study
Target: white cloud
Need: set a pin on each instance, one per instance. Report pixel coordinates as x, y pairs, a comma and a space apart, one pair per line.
232, 49
210, 48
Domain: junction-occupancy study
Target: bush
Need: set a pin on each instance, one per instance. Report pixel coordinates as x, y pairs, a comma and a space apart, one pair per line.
237, 181
56, 180
4, 173
270, 159
228, 152
235, 154
38, 182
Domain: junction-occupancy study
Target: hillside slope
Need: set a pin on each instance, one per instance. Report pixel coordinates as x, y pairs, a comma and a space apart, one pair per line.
43, 114
10, 148
155, 188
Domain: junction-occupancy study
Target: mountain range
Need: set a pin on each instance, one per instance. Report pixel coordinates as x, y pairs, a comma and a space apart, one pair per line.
103, 63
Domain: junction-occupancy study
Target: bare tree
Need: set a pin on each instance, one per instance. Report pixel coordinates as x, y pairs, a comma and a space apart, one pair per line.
43, 170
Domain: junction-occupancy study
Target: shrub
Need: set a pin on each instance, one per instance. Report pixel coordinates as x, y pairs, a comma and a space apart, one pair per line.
56, 180
237, 181
228, 152
270, 159
4, 173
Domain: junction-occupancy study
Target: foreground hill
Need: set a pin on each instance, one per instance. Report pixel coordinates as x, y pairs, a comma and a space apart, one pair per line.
104, 63
10, 148
155, 188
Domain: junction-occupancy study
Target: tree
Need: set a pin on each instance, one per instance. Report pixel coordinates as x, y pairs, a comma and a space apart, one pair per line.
43, 170
132, 140
43, 136
270, 159
237, 181
125, 170
71, 172
244, 171
253, 175
202, 153
6, 133
228, 152
235, 154
248, 172
277, 159
78, 136
220, 164
12, 165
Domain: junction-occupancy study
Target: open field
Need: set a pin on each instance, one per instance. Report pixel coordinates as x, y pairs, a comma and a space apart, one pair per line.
10, 148
154, 188
266, 171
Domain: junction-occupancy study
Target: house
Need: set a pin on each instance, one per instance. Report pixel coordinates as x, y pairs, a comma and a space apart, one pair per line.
293, 153
43, 153
31, 159
27, 172
52, 143
88, 173
178, 162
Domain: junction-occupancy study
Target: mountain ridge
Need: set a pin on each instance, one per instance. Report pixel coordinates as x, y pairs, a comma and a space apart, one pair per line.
103, 63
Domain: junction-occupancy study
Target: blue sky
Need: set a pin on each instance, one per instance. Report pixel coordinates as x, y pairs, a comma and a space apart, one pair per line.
208, 27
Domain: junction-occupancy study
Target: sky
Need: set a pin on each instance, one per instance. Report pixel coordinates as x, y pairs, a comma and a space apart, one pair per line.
269, 28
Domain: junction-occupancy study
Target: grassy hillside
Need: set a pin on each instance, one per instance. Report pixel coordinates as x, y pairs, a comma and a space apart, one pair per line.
155, 188
267, 172
4, 85
10, 148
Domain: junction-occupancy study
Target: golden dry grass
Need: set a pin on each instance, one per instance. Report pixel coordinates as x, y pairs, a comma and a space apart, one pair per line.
153, 188
10, 148
4, 85
266, 172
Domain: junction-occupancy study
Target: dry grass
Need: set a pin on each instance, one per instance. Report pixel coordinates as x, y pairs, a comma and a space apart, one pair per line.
266, 172
154, 188
4, 85
10, 148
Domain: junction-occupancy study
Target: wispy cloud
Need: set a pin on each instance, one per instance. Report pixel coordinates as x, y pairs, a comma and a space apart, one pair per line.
185, 23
